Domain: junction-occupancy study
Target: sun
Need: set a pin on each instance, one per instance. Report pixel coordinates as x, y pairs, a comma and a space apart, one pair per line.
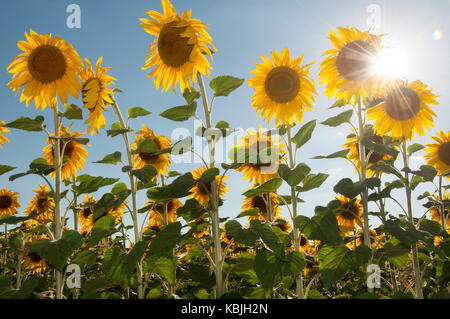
391, 62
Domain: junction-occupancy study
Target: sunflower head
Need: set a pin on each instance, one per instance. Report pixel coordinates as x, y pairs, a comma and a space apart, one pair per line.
349, 215
438, 154
202, 190
3, 129
347, 70
359, 240
9, 202
405, 110
158, 211
261, 202
435, 211
180, 49
283, 224
42, 204
47, 68
73, 152
31, 260
159, 161
86, 214
263, 155
96, 93
283, 88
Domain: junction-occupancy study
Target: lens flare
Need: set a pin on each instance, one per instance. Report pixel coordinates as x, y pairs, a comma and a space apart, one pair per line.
391, 63
437, 35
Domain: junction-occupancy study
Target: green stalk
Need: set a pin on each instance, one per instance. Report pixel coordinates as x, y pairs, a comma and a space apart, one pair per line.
362, 158
441, 198
415, 259
218, 269
297, 237
134, 213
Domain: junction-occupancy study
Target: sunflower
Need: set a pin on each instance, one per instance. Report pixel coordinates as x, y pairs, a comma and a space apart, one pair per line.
439, 153
9, 202
95, 93
374, 238
283, 88
353, 155
159, 161
74, 151
283, 224
435, 211
157, 212
86, 215
261, 202
405, 110
3, 129
310, 269
42, 204
202, 191
347, 69
264, 155
31, 260
235, 248
116, 211
350, 214
179, 51
47, 67
202, 228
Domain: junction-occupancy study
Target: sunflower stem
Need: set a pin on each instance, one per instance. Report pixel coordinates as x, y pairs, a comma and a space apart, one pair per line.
415, 259
441, 199
218, 261
134, 213
297, 237
362, 157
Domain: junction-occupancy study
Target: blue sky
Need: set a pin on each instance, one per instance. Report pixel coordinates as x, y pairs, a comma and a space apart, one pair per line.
242, 30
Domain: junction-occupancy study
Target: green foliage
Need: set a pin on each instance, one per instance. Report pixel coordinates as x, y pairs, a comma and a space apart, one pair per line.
137, 111
304, 134
180, 113
225, 84
339, 119
27, 124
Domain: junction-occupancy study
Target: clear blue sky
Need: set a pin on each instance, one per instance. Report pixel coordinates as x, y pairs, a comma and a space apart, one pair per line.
242, 30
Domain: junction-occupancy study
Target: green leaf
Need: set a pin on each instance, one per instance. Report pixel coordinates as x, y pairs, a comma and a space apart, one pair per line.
146, 146
304, 134
268, 269
180, 113
56, 253
91, 184
137, 111
191, 210
73, 112
414, 148
103, 227
340, 154
384, 167
386, 192
209, 175
296, 263
241, 235
27, 124
28, 286
85, 257
293, 176
322, 226
396, 252
191, 95
133, 257
145, 174
428, 172
164, 242
112, 158
113, 267
181, 146
117, 129
339, 103
180, 187
248, 212
269, 186
312, 181
379, 148
225, 84
166, 268
269, 238
339, 119
334, 263
5, 169
9, 219
349, 189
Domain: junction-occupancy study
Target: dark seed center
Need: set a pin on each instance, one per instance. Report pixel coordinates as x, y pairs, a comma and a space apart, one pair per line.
47, 63
444, 153
5, 201
402, 104
173, 48
282, 84
355, 60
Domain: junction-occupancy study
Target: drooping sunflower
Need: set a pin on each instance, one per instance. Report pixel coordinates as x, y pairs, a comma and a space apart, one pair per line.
3, 129
354, 155
350, 214
159, 161
438, 154
95, 93
360, 239
438, 240
202, 190
86, 215
42, 204
235, 248
48, 67
261, 202
264, 156
9, 202
31, 260
435, 211
180, 49
283, 88
74, 151
283, 224
157, 212
404, 111
347, 70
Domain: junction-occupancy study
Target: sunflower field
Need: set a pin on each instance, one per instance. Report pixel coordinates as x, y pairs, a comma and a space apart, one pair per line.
132, 225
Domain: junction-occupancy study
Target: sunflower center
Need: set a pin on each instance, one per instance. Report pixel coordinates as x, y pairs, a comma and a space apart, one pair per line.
204, 188
350, 212
402, 104
173, 47
282, 84
282, 226
258, 202
374, 157
41, 203
47, 63
160, 208
355, 60
150, 157
68, 150
444, 153
86, 212
303, 241
34, 257
5, 201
